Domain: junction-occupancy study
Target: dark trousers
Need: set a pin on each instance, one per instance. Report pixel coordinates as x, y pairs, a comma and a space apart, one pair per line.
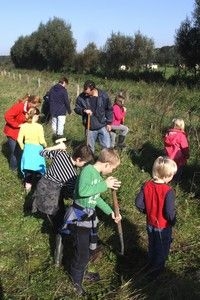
14, 153
159, 245
177, 177
80, 259
32, 177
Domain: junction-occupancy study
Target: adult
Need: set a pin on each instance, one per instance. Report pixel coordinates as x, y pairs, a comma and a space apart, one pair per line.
96, 103
59, 106
14, 117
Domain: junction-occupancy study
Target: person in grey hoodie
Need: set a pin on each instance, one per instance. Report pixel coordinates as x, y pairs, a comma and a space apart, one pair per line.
59, 106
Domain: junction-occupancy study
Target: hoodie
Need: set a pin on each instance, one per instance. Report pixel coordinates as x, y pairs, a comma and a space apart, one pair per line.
176, 146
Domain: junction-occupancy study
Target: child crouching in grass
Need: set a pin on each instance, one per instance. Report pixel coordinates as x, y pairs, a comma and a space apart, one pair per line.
157, 200
81, 217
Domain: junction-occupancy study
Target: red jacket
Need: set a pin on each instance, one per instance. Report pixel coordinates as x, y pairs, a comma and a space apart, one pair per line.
15, 116
118, 115
154, 195
176, 146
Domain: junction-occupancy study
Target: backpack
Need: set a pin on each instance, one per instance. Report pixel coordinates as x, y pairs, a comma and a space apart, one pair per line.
45, 110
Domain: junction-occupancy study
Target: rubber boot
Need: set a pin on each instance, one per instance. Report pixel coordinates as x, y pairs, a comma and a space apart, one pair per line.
58, 251
77, 279
120, 143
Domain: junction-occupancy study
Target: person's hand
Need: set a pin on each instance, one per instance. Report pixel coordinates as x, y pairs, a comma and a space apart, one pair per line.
88, 111
108, 127
116, 219
113, 183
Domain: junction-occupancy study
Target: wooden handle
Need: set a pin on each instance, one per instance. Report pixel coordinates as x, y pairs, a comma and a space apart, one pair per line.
115, 203
119, 224
88, 128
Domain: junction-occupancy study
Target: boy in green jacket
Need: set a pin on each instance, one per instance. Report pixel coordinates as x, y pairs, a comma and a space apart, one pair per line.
81, 217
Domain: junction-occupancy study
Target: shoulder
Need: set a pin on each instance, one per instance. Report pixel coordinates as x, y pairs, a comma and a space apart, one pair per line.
82, 96
38, 125
87, 168
102, 94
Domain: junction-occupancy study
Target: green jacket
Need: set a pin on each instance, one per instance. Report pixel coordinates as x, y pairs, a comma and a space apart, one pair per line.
89, 185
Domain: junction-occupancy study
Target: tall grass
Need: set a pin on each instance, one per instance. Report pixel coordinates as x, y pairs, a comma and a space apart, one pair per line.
27, 269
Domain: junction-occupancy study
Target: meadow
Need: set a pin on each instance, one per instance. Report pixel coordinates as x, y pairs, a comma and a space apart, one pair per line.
27, 243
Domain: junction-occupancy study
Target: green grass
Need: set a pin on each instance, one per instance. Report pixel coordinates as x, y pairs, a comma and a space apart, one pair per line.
26, 264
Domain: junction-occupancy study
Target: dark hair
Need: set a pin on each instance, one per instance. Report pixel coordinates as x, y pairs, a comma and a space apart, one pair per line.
89, 84
119, 99
83, 152
62, 80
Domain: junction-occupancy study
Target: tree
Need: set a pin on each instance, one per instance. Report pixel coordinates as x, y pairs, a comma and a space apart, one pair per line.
55, 44
143, 50
117, 51
51, 47
196, 13
166, 55
188, 39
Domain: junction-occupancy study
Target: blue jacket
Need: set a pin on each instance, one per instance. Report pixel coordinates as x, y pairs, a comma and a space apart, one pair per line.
59, 103
101, 115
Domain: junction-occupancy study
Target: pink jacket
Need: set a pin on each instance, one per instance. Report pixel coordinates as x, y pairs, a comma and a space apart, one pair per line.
176, 146
118, 115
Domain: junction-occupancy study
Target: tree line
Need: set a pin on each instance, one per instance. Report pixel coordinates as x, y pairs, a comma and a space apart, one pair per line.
52, 47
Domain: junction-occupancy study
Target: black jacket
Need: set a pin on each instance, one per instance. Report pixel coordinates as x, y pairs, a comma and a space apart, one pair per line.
102, 114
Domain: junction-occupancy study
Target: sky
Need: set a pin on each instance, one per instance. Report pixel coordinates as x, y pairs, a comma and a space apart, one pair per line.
94, 20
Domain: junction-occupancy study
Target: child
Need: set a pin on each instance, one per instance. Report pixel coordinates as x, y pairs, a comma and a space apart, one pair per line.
15, 116
119, 113
31, 140
61, 175
157, 200
176, 146
81, 217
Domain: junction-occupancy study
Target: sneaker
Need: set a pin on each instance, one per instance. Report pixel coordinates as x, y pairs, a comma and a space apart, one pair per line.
79, 290
91, 276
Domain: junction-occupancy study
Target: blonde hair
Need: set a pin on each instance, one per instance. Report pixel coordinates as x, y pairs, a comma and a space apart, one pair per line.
163, 167
109, 156
31, 113
178, 124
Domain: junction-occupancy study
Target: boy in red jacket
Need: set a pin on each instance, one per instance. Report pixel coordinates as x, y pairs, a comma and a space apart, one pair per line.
157, 200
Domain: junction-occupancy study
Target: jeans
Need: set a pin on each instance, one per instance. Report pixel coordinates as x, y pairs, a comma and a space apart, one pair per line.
58, 124
159, 245
102, 135
15, 153
122, 129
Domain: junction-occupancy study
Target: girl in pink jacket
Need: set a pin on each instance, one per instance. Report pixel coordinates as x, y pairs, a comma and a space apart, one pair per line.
119, 113
177, 146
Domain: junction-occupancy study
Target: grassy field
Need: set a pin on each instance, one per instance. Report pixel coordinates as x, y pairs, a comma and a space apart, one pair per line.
27, 243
